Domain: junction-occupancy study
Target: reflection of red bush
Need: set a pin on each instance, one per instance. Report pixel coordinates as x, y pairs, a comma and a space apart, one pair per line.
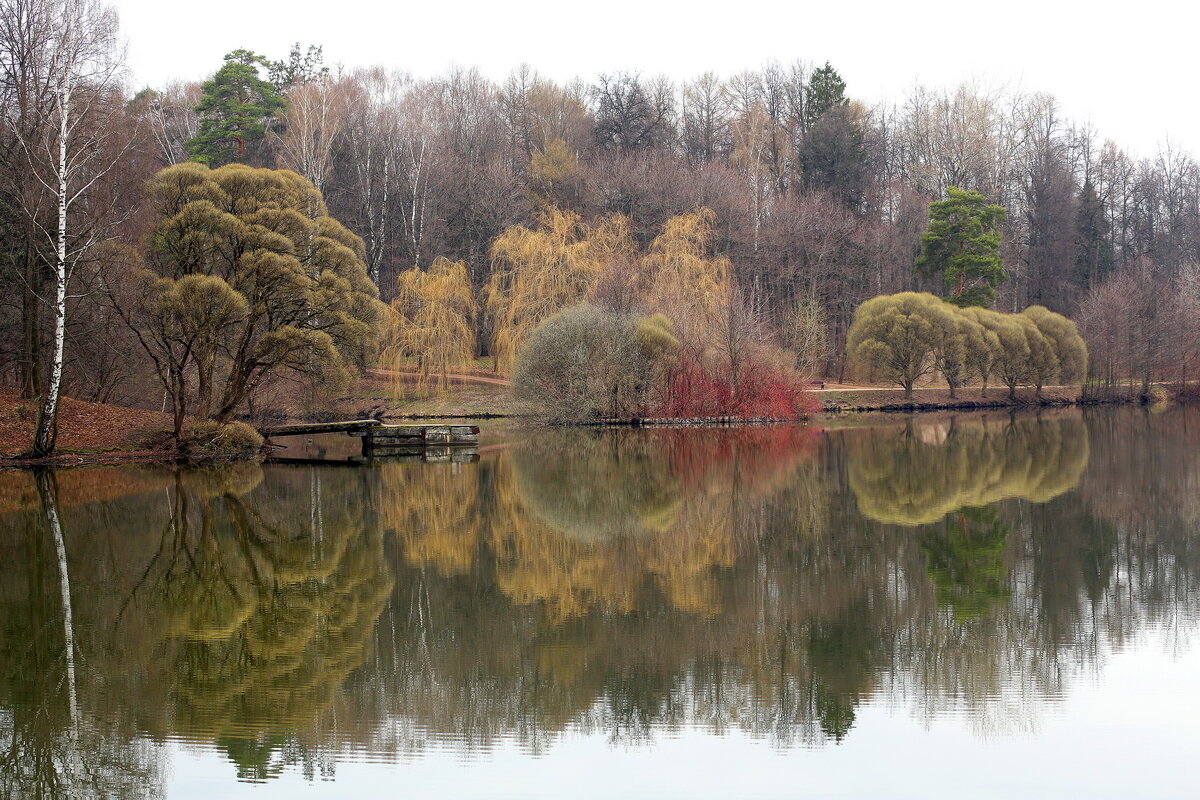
750, 454
758, 393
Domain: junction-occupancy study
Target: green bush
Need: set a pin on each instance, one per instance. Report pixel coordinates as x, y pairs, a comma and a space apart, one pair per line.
586, 363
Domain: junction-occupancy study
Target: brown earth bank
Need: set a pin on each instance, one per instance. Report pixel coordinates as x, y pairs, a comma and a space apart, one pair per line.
840, 400
861, 399
87, 432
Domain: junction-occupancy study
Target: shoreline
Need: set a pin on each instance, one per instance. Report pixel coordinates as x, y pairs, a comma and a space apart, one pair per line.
837, 404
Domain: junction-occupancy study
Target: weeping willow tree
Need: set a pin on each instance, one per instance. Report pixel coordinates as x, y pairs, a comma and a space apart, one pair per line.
964, 349
897, 335
537, 272
563, 262
1024, 355
1069, 348
683, 278
432, 322
249, 282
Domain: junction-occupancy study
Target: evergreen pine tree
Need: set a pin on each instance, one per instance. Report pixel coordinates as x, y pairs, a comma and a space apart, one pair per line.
962, 245
233, 109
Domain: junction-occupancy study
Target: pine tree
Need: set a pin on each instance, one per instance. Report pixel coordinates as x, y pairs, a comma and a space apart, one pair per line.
825, 91
834, 155
962, 245
234, 110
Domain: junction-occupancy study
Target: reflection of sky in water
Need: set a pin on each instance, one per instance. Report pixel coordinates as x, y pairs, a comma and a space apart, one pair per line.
1130, 733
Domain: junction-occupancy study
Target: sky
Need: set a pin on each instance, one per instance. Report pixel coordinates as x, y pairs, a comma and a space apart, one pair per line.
1130, 69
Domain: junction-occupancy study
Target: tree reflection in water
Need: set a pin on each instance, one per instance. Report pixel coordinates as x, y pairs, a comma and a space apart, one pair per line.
216, 614
622, 583
917, 474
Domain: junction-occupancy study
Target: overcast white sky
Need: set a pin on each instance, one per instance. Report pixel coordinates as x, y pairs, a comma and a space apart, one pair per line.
1130, 68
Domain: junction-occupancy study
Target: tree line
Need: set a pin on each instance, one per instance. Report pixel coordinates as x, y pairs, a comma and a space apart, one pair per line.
819, 201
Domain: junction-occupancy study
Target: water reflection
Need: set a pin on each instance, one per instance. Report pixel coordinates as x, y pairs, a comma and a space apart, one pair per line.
615, 583
915, 474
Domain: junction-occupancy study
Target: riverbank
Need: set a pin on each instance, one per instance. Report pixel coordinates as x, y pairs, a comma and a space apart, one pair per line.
485, 397
88, 433
99, 433
861, 399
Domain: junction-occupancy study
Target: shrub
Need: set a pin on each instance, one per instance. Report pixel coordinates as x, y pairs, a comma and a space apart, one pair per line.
760, 392
211, 439
586, 363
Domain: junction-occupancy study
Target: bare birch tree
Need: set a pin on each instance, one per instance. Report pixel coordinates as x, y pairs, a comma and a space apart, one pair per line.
313, 123
372, 131
68, 154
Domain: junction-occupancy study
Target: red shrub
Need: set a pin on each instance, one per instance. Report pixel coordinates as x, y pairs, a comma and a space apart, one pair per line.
760, 392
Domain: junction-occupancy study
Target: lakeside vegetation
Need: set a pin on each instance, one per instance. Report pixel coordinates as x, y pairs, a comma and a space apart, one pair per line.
245, 246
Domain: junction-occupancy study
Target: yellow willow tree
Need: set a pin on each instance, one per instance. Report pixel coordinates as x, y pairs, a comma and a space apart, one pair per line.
680, 268
684, 280
537, 272
432, 321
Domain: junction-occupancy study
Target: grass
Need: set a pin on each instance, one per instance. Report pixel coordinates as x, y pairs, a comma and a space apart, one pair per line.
376, 395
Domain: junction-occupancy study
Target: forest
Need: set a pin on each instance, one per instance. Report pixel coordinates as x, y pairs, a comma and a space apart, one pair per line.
442, 218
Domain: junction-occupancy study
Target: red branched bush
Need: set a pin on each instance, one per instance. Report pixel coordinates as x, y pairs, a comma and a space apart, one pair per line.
759, 392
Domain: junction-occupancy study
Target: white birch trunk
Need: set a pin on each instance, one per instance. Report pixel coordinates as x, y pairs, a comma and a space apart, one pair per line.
44, 437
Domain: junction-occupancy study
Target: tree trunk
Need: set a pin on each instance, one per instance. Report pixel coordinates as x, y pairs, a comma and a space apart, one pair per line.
47, 427
31, 329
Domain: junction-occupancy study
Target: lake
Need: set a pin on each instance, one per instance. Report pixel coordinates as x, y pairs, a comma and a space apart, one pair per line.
975, 605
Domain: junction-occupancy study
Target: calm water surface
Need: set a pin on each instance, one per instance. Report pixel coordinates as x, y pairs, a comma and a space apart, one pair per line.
979, 606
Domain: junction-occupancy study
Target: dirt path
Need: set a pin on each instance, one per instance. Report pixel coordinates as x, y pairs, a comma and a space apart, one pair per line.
453, 377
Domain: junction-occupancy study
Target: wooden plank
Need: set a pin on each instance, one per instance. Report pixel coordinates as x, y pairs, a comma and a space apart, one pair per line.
322, 427
463, 433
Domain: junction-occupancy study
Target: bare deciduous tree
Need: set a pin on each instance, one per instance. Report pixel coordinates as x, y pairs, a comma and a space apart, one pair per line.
76, 44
